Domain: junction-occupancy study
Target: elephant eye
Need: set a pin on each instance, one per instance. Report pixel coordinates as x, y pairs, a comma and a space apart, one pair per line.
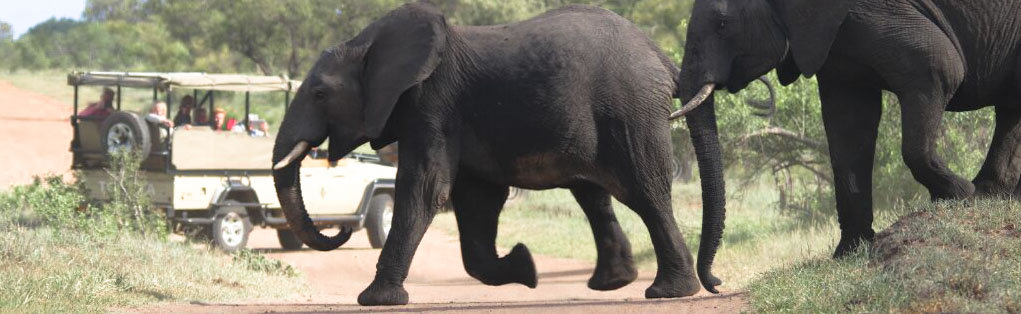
320, 94
722, 24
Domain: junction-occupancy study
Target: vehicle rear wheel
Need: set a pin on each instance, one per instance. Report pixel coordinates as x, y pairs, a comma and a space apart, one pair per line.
125, 130
231, 227
377, 220
289, 240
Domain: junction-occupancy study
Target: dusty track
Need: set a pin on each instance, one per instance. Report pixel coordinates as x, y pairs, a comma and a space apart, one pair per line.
34, 137
438, 283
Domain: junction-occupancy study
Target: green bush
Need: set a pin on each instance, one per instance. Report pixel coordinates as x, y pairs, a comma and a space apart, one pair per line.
63, 207
255, 261
59, 252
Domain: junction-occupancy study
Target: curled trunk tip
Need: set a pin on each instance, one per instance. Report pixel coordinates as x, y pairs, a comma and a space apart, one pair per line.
288, 185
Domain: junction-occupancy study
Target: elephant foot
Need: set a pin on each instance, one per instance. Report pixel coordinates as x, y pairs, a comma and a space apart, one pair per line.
685, 286
959, 190
521, 266
383, 294
516, 267
613, 274
990, 190
849, 243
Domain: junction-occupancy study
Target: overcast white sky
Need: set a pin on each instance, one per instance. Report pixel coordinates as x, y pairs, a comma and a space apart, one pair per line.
23, 14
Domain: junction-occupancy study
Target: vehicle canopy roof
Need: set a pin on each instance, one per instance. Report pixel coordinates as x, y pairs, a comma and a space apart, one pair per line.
185, 80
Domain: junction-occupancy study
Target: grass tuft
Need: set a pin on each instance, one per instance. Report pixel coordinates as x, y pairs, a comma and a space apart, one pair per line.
948, 257
61, 253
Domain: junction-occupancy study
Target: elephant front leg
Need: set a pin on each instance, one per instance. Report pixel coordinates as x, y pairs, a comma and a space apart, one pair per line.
851, 118
1000, 171
423, 186
477, 206
615, 266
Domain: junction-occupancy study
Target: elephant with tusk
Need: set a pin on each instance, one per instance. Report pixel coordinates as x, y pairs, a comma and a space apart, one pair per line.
576, 98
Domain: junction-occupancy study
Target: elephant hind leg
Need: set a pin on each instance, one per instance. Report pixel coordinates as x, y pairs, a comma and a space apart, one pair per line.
477, 206
1002, 167
615, 266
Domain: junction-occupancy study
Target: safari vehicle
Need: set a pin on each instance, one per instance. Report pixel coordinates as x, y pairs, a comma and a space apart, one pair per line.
219, 184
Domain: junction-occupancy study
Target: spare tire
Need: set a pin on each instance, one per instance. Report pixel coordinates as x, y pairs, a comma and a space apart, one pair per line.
123, 130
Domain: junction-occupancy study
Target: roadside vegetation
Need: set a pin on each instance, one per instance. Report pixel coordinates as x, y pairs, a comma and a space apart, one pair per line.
61, 253
946, 258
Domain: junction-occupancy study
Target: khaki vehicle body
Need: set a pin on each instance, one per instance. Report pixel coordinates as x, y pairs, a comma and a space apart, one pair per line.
212, 180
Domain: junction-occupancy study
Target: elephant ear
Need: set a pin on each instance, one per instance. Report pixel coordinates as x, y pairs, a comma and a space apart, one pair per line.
405, 47
812, 26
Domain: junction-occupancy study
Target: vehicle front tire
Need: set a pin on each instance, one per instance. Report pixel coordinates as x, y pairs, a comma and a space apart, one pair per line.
230, 228
377, 220
289, 240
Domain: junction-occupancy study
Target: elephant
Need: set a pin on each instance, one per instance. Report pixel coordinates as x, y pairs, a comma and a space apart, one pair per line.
935, 55
576, 98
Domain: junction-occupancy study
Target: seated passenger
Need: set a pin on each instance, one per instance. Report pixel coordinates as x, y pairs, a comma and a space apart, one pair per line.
158, 115
101, 108
219, 117
260, 128
201, 116
184, 111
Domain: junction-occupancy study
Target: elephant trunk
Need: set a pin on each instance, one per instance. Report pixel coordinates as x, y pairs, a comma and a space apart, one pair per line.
287, 155
702, 124
288, 187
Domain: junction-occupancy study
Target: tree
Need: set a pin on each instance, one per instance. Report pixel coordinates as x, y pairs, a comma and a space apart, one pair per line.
118, 10
7, 50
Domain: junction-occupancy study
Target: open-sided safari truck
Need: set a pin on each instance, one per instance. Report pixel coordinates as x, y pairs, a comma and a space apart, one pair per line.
220, 183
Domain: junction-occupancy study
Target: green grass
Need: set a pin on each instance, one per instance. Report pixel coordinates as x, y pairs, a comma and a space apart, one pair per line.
49, 263
949, 257
757, 238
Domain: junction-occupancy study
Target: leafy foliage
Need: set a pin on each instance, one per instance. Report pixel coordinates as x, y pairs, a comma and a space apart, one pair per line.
63, 206
60, 253
256, 261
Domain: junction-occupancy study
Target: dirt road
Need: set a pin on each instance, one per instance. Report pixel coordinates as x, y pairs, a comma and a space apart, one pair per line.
438, 283
34, 135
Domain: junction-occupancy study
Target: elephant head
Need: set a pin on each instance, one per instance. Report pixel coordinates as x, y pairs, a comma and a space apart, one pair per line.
733, 42
348, 97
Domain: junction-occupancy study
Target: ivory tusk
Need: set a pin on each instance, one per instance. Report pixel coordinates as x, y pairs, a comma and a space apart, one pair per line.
298, 151
702, 95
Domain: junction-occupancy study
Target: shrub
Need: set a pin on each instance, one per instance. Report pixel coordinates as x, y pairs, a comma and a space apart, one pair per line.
63, 207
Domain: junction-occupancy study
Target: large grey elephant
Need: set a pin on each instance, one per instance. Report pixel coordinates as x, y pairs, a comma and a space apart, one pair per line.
935, 55
575, 98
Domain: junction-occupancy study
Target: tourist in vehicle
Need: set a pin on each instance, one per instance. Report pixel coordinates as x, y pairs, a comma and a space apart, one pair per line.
158, 115
101, 108
201, 117
219, 117
260, 128
184, 111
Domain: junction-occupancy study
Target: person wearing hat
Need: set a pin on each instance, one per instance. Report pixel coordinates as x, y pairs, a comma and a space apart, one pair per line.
101, 108
184, 111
